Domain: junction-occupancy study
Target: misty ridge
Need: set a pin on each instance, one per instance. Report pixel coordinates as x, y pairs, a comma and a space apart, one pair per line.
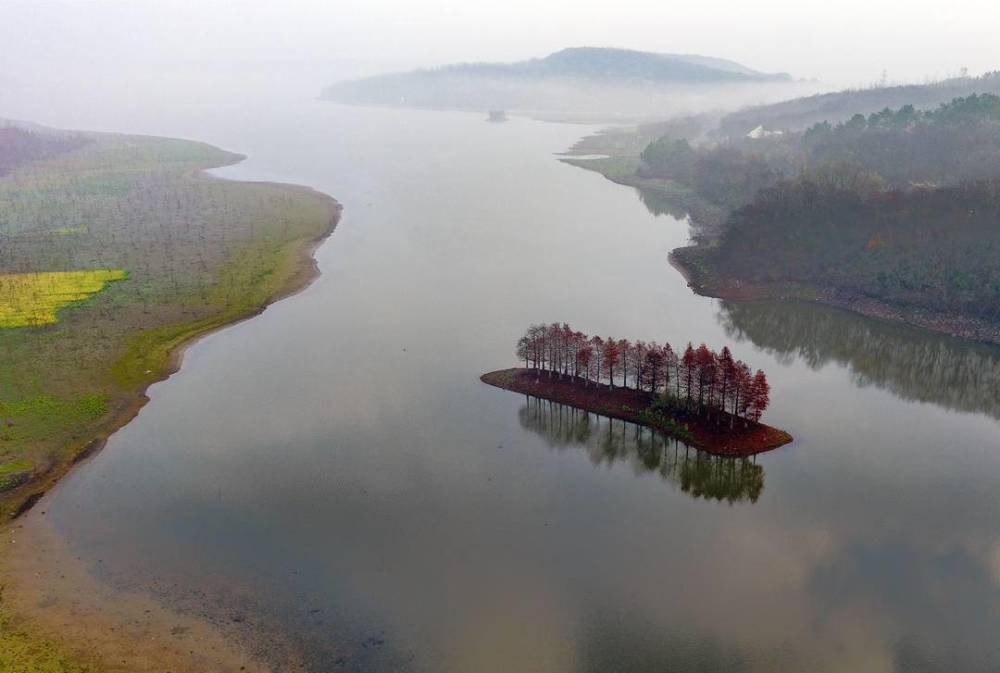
579, 83
798, 114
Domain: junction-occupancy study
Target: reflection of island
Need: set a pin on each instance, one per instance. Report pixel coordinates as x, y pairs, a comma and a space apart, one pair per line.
609, 441
913, 364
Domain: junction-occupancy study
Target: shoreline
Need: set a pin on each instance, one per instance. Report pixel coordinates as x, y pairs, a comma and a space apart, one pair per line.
708, 219
55, 615
632, 405
20, 499
688, 260
51, 607
702, 214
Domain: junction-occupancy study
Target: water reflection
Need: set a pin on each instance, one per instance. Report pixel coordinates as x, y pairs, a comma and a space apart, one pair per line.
621, 642
371, 498
911, 363
659, 203
608, 441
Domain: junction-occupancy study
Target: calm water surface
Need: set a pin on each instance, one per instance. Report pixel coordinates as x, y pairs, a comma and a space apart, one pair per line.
335, 472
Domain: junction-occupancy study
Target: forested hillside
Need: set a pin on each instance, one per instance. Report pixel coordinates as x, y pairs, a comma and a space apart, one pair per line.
891, 149
895, 213
902, 207
800, 113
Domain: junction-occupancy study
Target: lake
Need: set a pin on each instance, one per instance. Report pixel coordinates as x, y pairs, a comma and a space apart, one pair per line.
333, 477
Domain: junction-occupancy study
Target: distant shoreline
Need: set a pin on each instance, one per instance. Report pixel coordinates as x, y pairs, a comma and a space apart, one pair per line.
708, 433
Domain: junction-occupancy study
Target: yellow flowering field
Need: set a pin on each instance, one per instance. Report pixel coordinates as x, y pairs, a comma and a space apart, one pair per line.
34, 298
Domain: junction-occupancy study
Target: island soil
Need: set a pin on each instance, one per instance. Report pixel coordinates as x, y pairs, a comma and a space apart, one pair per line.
713, 435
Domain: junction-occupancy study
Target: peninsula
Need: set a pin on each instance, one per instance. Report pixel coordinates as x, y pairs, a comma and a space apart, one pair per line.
890, 215
115, 252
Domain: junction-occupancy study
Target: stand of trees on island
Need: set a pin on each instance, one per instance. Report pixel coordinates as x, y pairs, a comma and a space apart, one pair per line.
696, 379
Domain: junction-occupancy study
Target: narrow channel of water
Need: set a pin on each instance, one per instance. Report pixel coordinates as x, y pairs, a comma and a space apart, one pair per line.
335, 472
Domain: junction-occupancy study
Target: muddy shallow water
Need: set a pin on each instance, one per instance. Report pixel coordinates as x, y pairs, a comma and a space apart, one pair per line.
333, 474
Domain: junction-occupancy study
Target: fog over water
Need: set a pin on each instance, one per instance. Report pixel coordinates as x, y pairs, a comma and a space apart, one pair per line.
91, 63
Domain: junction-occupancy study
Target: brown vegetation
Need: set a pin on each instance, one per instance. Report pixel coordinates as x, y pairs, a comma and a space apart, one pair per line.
709, 433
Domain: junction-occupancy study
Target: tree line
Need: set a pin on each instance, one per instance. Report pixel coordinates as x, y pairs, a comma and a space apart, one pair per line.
698, 379
800, 113
887, 150
899, 205
926, 248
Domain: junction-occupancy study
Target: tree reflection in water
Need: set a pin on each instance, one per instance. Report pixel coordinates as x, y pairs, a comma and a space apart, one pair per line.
911, 363
659, 203
608, 441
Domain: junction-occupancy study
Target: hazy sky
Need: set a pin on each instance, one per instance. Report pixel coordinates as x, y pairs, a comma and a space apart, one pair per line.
128, 47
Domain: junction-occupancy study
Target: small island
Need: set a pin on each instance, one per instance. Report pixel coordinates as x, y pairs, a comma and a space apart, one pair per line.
708, 400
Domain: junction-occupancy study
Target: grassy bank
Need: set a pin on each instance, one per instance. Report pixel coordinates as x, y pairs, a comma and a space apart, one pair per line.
713, 434
190, 254
116, 252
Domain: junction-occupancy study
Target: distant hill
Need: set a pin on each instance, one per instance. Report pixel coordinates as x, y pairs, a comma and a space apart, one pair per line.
568, 78
620, 65
800, 113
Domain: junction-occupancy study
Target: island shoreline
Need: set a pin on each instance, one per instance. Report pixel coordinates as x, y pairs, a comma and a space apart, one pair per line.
632, 405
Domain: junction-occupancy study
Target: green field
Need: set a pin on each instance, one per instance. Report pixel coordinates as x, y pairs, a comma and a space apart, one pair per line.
24, 652
111, 255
